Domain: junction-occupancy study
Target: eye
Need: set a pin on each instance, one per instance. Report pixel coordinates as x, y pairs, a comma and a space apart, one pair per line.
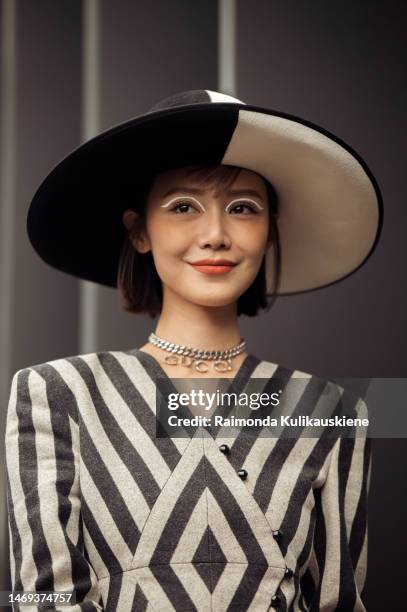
183, 206
241, 206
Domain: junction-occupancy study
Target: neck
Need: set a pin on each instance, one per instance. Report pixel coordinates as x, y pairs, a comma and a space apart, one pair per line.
205, 327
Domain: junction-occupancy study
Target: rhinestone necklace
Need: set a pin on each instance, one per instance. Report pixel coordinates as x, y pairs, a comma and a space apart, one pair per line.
188, 356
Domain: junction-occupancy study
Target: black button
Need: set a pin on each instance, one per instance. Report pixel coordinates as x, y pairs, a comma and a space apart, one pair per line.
288, 573
277, 535
243, 474
275, 601
224, 448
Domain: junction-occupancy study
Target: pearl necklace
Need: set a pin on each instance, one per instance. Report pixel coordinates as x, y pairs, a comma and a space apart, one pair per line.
189, 356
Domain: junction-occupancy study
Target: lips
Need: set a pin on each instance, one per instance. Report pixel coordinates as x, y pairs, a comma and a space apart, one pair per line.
214, 262
213, 266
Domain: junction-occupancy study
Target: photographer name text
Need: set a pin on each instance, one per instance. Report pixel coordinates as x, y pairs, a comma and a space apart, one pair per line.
268, 421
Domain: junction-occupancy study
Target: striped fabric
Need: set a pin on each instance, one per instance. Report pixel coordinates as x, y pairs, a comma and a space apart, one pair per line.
131, 522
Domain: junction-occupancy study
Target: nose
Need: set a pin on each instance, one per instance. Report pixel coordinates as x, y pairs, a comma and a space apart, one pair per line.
213, 231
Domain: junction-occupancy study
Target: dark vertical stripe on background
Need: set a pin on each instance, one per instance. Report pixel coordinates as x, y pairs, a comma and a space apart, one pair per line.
283, 605
28, 472
306, 549
360, 523
308, 474
347, 588
115, 586
301, 604
15, 540
62, 404
308, 587
65, 468
320, 535
99, 541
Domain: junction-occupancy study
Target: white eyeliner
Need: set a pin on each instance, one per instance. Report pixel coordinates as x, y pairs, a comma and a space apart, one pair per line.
180, 198
243, 199
202, 206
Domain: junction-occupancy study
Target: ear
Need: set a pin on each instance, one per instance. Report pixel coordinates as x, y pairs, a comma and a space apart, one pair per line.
141, 241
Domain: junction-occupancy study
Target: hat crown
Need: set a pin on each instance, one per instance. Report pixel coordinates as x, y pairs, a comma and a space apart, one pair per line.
194, 96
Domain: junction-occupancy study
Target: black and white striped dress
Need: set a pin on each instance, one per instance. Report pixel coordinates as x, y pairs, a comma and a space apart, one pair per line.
130, 522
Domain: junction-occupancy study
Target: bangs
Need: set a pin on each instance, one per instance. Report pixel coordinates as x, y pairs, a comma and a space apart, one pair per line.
216, 177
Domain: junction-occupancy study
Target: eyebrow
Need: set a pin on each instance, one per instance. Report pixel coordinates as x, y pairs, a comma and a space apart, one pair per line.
237, 192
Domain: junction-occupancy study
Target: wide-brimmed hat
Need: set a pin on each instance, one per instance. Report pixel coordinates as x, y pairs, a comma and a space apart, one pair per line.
330, 206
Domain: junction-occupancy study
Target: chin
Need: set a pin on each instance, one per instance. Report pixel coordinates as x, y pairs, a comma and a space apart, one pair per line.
214, 301
210, 297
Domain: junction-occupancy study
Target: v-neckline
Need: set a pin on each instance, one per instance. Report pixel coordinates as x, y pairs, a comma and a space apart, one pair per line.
236, 384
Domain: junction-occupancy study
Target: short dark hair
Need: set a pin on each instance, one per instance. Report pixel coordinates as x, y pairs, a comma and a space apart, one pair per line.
138, 283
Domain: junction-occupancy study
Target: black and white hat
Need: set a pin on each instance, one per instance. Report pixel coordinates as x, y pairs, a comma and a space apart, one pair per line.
330, 206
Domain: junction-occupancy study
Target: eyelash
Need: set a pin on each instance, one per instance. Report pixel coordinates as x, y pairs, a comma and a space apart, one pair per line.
186, 203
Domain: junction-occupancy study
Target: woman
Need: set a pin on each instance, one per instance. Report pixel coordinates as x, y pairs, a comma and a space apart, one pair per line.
98, 502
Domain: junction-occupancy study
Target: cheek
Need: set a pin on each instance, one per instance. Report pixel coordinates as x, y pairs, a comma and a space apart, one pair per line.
165, 244
167, 250
165, 240
255, 239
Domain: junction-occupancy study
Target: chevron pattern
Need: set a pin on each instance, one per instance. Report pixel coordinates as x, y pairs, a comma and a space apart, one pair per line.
131, 522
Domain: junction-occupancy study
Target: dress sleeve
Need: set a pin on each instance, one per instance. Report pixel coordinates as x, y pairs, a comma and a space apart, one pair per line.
43, 492
341, 530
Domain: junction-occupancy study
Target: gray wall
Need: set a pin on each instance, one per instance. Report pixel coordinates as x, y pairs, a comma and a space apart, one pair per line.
72, 68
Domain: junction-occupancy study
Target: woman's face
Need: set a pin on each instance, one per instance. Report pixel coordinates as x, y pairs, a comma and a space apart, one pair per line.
186, 224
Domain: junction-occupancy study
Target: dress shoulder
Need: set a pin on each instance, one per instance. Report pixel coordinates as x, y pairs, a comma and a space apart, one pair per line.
354, 402
93, 359
92, 370
270, 368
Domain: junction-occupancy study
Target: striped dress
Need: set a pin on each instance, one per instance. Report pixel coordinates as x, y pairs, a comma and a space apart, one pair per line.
99, 505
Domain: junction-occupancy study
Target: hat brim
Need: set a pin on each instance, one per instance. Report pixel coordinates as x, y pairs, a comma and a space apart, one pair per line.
330, 206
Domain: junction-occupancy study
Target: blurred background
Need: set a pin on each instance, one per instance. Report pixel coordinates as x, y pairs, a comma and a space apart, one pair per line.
72, 68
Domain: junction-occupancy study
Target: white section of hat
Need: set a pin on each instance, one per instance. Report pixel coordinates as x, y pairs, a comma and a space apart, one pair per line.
216, 96
329, 213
